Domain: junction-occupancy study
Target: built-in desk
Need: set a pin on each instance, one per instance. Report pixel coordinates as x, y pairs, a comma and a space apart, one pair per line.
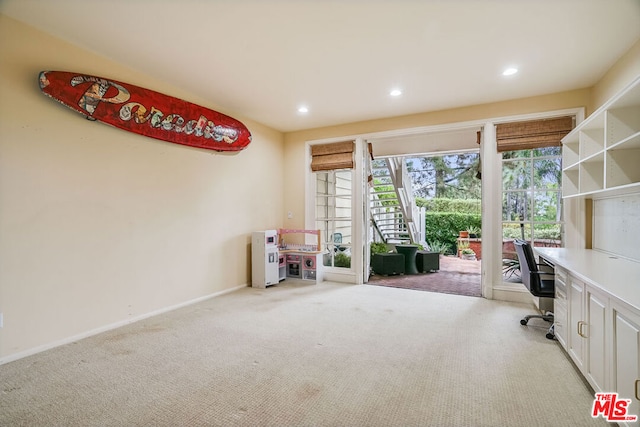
618, 277
597, 318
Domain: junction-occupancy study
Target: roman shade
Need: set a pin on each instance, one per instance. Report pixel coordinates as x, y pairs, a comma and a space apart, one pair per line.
533, 134
337, 155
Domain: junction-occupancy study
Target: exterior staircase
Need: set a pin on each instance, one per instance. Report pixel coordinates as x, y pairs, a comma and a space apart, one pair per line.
394, 216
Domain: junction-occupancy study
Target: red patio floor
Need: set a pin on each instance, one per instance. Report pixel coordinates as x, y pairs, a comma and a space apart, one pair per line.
456, 276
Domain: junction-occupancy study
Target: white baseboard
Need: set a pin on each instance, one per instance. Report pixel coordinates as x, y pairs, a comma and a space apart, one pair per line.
68, 340
331, 276
511, 294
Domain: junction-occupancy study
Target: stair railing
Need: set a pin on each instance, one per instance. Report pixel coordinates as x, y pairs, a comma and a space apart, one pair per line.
404, 190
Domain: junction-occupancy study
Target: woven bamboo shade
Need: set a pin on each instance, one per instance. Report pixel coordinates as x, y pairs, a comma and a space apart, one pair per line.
338, 155
532, 134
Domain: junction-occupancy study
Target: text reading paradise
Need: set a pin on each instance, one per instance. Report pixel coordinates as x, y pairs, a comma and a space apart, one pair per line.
202, 127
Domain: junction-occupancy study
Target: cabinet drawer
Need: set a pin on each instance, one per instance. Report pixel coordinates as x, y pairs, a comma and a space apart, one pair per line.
560, 311
561, 275
560, 322
561, 289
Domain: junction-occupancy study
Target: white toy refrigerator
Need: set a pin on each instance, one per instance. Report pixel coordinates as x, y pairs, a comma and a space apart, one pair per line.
264, 258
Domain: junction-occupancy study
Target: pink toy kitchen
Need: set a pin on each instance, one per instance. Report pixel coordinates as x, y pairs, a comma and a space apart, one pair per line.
273, 259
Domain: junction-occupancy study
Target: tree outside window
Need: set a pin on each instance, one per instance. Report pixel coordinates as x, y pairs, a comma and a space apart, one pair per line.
531, 197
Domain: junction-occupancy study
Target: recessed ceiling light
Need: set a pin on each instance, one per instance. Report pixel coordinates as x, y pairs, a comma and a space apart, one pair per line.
303, 109
509, 71
395, 92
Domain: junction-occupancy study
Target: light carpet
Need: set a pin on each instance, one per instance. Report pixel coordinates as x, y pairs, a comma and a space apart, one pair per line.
303, 355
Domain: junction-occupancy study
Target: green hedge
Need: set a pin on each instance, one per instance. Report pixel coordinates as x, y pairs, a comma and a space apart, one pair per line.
543, 231
450, 205
444, 227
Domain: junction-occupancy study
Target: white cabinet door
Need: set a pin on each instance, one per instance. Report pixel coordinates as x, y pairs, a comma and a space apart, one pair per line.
588, 344
626, 356
576, 326
596, 366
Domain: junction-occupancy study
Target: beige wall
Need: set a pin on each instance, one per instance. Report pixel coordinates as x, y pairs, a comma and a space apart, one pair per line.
99, 226
623, 72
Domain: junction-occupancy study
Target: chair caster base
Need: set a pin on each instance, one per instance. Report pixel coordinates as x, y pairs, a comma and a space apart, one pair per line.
551, 334
547, 317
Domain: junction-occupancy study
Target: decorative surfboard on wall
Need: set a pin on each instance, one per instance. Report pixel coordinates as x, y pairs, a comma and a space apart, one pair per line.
145, 112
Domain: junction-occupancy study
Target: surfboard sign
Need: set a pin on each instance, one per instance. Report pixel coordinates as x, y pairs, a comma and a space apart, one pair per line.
145, 112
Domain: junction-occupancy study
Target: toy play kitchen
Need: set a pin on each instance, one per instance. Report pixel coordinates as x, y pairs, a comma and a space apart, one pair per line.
274, 260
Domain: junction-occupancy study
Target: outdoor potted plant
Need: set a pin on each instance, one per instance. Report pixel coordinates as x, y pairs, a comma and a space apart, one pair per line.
378, 248
510, 267
474, 232
462, 245
437, 246
468, 254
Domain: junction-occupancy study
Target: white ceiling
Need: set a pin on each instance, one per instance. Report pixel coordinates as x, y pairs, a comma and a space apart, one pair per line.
262, 59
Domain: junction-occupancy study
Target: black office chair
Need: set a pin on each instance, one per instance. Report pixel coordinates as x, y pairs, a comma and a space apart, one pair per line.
540, 283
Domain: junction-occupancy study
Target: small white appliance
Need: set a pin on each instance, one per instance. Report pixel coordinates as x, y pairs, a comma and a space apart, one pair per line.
264, 258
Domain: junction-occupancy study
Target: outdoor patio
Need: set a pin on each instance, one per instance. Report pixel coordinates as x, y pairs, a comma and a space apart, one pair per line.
456, 276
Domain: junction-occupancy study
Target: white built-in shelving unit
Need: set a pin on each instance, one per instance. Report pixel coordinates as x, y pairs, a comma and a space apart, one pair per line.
601, 156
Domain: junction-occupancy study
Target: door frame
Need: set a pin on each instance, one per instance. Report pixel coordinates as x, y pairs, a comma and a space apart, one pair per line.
491, 195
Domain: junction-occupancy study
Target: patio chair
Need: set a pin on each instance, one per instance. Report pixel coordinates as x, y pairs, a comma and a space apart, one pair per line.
337, 239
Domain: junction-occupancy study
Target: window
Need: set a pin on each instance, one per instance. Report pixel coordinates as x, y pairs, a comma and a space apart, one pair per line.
334, 216
531, 197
